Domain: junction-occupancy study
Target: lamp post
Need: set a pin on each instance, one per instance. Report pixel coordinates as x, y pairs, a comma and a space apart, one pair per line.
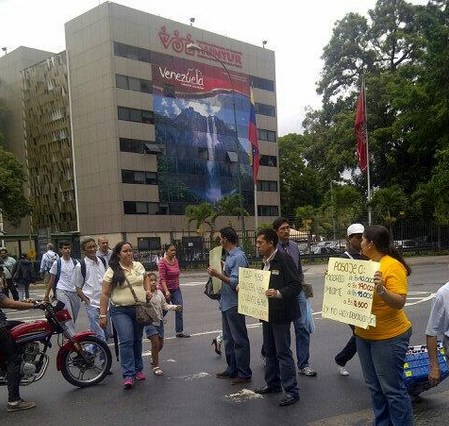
196, 48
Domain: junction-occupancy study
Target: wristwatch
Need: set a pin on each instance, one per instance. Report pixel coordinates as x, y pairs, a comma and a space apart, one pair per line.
102, 316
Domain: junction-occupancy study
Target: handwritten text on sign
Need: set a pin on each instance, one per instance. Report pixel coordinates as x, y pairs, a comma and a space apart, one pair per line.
251, 296
348, 291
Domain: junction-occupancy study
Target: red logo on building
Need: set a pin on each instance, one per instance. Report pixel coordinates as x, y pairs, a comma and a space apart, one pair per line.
178, 43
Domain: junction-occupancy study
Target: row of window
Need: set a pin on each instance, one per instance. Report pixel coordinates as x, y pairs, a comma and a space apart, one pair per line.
132, 83
148, 208
139, 177
266, 135
151, 178
135, 115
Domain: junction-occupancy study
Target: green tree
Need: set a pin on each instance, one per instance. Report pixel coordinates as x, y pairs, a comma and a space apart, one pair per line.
13, 204
300, 185
387, 203
202, 214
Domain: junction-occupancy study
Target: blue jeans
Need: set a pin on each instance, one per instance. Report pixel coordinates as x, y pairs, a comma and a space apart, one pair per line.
383, 368
176, 299
94, 325
280, 366
236, 344
129, 333
302, 336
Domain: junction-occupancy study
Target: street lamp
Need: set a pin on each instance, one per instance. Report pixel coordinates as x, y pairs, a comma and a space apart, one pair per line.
194, 47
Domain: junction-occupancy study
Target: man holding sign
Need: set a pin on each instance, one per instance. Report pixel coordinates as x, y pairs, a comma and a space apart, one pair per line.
280, 371
235, 334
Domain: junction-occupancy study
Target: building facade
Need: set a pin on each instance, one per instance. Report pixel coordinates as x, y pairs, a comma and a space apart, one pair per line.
152, 126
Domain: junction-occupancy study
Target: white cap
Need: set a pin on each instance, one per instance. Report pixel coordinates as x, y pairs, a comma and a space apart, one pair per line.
355, 228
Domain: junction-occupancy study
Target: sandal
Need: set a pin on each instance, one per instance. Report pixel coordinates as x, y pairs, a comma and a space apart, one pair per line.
157, 371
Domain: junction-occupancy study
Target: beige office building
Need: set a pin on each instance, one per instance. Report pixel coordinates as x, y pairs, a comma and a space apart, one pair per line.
151, 126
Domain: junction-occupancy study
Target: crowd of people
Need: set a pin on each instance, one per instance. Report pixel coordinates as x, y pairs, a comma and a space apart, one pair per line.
110, 284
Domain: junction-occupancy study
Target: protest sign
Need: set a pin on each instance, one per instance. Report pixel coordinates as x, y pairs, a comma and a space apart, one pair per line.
348, 291
251, 295
215, 262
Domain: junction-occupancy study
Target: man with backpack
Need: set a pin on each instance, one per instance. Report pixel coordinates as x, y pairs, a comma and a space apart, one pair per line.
48, 258
89, 275
62, 282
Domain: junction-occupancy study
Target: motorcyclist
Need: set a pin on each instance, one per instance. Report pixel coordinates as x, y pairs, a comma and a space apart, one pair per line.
8, 349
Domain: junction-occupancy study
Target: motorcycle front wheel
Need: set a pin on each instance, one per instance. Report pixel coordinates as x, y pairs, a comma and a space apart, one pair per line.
90, 367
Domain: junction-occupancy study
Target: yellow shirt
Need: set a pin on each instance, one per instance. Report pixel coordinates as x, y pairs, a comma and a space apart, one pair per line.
390, 322
121, 294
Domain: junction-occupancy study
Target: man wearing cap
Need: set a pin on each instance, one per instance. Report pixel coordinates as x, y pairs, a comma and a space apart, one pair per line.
353, 251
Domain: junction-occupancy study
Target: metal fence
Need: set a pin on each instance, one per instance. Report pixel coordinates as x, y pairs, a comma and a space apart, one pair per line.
413, 238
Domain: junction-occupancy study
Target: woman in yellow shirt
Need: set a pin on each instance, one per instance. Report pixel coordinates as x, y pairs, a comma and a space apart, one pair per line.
123, 272
382, 348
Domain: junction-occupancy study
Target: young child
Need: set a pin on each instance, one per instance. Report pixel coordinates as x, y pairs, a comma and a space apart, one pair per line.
155, 331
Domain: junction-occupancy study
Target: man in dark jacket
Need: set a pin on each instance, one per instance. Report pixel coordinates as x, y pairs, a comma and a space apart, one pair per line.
23, 276
280, 371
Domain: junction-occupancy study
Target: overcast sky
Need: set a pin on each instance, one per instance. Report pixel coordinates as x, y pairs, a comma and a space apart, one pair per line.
296, 30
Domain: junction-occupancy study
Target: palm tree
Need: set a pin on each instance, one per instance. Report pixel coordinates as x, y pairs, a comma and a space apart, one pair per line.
203, 213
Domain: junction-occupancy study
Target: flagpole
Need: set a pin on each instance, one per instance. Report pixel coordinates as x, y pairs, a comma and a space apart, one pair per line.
256, 215
368, 178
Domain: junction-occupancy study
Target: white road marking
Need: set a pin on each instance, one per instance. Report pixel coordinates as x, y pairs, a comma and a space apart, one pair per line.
195, 376
243, 395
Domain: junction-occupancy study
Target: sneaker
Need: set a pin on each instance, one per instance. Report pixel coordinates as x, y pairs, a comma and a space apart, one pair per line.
307, 371
128, 383
20, 405
343, 371
183, 335
140, 376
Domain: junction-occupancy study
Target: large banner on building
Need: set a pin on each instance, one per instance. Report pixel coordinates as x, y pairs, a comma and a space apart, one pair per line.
196, 110
348, 291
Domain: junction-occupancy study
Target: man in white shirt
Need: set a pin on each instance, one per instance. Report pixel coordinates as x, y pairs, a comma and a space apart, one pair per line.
89, 275
62, 273
103, 249
438, 325
48, 258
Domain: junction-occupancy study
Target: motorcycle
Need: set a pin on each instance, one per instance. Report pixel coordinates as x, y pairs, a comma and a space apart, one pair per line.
83, 359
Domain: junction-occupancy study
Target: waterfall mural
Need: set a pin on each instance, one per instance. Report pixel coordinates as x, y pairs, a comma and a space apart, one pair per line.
193, 106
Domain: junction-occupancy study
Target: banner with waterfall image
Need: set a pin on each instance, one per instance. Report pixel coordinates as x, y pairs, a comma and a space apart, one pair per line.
196, 108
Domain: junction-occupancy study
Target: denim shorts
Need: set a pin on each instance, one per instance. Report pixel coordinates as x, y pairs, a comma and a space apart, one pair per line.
152, 330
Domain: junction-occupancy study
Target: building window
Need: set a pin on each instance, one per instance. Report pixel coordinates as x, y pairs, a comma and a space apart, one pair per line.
148, 243
266, 135
132, 83
268, 160
262, 83
132, 52
139, 177
263, 109
140, 207
139, 146
268, 210
267, 185
135, 115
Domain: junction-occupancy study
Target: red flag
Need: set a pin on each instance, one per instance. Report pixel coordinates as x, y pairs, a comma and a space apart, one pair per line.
252, 136
360, 131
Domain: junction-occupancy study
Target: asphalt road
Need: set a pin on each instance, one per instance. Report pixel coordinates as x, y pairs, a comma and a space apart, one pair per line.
189, 394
